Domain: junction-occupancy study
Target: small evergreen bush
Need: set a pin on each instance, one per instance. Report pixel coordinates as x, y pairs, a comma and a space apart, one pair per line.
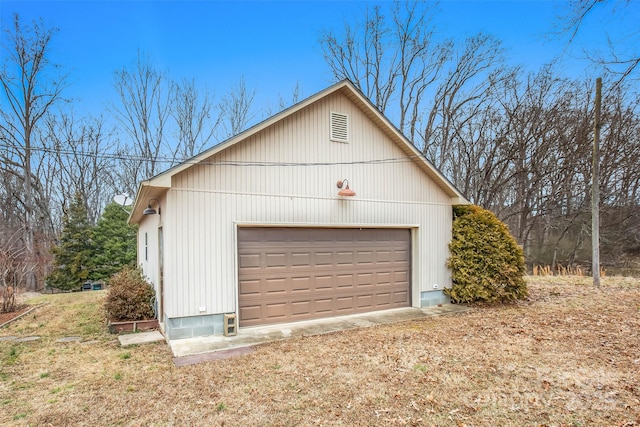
486, 262
129, 296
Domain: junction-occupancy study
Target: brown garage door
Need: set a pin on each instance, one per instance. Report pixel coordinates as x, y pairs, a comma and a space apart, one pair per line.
291, 274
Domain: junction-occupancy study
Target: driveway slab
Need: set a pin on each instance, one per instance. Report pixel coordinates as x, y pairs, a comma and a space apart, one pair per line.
250, 336
140, 338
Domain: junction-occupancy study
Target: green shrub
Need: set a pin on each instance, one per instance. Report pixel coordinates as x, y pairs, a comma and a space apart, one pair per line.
129, 296
485, 261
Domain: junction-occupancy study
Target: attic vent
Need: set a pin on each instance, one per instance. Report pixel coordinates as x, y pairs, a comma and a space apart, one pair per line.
339, 127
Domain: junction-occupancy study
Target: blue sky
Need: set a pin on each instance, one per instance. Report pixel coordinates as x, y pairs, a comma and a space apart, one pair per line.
274, 45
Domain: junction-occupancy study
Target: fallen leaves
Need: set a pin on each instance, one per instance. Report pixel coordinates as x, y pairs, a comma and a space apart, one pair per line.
567, 356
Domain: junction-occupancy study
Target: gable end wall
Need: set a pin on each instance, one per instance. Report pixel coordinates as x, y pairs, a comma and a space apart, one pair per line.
255, 182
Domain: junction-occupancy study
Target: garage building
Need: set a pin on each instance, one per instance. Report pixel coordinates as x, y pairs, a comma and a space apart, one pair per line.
322, 210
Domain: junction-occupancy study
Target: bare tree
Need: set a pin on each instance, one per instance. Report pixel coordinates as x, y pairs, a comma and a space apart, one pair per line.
31, 85
393, 60
623, 56
143, 111
195, 119
473, 73
548, 125
296, 96
236, 109
80, 163
284, 103
514, 143
424, 84
620, 175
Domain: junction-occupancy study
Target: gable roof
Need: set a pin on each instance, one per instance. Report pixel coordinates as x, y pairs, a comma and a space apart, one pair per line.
156, 186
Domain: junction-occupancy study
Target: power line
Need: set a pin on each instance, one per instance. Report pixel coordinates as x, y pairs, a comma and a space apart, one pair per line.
192, 161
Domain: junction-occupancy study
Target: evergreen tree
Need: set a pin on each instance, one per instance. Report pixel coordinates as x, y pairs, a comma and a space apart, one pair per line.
115, 243
72, 255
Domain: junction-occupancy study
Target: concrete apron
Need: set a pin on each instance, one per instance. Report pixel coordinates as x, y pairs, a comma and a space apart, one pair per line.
254, 335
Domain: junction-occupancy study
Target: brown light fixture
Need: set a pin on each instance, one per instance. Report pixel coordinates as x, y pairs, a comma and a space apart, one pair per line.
346, 191
150, 210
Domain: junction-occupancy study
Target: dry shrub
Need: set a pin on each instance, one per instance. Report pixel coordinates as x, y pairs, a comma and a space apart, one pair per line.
8, 295
13, 270
560, 270
569, 270
542, 270
130, 296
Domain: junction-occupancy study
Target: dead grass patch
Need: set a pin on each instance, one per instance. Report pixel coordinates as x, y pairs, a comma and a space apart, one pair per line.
568, 356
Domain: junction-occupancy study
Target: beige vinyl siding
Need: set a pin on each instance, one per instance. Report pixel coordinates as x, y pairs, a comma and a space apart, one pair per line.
204, 271
208, 201
150, 264
292, 141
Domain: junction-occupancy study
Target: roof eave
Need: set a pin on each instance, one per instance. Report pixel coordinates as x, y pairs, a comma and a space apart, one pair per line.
146, 192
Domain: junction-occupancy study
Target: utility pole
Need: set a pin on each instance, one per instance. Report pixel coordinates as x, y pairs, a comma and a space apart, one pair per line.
595, 190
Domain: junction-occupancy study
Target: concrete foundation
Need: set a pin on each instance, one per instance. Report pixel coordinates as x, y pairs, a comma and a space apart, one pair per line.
429, 299
194, 326
213, 324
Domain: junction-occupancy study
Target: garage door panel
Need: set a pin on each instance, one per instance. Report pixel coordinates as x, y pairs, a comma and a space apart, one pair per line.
249, 261
345, 237
289, 274
276, 286
383, 299
400, 297
251, 313
383, 256
249, 236
251, 287
301, 284
301, 259
323, 258
275, 260
383, 277
344, 257
344, 304
400, 276
365, 257
300, 307
365, 301
324, 282
344, 281
400, 256
273, 238
365, 280
323, 306
277, 310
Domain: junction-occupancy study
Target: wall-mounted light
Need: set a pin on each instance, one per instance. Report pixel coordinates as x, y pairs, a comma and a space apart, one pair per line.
150, 210
346, 191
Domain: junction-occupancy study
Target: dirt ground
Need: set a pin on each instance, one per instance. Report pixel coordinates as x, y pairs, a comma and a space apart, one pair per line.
21, 307
568, 356
6, 317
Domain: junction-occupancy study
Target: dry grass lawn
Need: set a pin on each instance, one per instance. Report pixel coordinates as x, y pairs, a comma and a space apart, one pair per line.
570, 356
